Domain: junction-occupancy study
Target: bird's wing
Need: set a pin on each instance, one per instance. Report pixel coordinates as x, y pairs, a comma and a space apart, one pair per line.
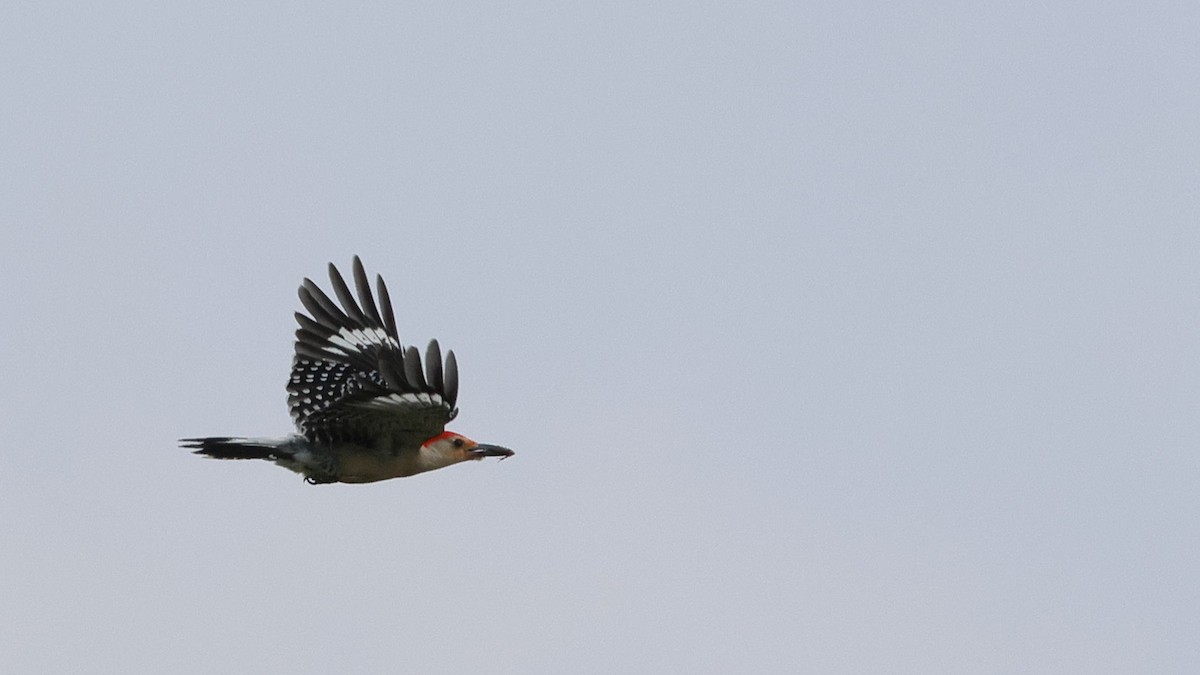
352, 380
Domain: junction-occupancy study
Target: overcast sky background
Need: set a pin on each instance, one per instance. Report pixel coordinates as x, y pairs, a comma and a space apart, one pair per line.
832, 337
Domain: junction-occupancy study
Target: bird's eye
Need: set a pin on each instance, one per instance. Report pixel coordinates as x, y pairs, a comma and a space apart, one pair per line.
458, 442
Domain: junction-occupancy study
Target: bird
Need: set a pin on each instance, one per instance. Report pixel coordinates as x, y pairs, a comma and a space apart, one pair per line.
364, 408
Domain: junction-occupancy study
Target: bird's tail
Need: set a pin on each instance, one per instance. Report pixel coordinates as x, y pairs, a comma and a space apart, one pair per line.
227, 447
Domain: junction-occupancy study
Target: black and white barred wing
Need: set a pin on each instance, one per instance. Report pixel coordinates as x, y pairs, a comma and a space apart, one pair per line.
352, 379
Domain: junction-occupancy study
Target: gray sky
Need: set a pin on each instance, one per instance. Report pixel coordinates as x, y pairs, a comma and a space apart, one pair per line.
848, 337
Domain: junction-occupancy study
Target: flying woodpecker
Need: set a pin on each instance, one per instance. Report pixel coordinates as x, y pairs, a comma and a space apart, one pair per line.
365, 410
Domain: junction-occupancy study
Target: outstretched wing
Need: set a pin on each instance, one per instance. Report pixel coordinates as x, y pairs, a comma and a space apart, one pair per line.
353, 381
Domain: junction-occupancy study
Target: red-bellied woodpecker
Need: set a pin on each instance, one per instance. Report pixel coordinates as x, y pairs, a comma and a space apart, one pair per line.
365, 410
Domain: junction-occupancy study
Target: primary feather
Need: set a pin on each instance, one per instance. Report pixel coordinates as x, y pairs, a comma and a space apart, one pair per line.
352, 379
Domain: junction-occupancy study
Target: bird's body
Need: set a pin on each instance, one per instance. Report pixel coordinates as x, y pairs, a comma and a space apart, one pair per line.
365, 407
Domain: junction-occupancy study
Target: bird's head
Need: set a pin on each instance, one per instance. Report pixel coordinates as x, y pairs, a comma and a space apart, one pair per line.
451, 448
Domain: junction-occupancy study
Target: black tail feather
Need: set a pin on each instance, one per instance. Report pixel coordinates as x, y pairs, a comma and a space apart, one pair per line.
226, 447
